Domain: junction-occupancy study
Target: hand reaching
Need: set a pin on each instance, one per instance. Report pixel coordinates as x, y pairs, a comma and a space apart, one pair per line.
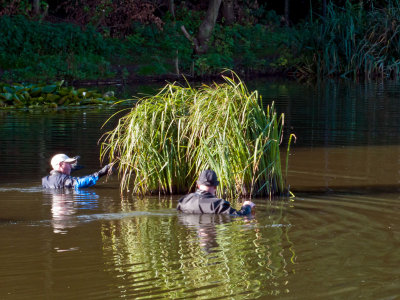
247, 202
104, 170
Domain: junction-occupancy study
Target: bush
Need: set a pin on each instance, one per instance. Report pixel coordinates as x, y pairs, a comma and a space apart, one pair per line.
164, 142
245, 48
41, 51
20, 35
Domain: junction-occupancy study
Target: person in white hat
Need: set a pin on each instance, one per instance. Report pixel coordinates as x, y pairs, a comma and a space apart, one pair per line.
60, 177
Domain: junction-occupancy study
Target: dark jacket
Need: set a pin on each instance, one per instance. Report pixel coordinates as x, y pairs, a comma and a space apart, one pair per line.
202, 202
58, 180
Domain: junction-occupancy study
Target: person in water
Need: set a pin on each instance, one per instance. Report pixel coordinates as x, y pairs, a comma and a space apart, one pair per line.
60, 177
204, 201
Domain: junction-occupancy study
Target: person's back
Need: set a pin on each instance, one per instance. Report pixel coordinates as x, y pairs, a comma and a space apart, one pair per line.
204, 201
57, 180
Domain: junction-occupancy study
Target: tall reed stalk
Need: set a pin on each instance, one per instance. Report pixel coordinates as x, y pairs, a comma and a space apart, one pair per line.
351, 42
166, 140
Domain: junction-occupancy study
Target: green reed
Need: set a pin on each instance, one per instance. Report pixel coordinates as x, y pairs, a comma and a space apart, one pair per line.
352, 42
165, 141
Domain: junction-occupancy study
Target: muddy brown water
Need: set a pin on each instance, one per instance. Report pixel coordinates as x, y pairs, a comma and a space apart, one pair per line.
339, 238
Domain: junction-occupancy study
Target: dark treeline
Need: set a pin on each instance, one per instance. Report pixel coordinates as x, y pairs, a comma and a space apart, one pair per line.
97, 39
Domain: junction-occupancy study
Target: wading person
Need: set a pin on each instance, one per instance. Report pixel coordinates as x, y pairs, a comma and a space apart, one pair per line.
204, 201
60, 177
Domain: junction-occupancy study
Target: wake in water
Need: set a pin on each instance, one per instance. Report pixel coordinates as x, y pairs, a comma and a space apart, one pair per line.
34, 189
88, 218
123, 215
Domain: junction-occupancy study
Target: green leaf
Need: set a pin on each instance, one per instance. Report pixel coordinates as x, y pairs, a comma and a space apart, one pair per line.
6, 96
59, 83
49, 89
8, 89
36, 91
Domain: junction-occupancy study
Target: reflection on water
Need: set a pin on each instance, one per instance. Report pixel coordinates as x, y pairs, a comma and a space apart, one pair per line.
205, 227
338, 239
66, 203
28, 140
368, 169
342, 245
332, 114
199, 255
355, 245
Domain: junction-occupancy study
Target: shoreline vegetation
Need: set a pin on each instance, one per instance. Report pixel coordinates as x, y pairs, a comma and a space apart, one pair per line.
165, 140
81, 44
41, 96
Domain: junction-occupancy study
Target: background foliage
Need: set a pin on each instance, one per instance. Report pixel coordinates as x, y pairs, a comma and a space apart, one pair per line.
350, 42
92, 39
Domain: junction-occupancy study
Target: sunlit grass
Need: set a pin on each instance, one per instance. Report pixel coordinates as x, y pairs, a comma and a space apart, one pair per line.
166, 140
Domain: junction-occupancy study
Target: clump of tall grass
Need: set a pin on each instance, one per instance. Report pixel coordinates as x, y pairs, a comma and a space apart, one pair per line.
166, 140
351, 42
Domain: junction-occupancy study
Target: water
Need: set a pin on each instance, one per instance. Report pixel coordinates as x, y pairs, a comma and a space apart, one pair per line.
337, 239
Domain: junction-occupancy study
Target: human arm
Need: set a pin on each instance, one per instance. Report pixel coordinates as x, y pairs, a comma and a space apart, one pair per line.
90, 180
103, 171
84, 182
246, 208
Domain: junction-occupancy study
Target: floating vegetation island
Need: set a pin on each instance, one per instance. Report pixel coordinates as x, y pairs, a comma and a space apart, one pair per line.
164, 142
41, 96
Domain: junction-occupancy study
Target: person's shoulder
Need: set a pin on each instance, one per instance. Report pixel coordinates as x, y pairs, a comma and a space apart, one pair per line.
55, 173
186, 197
62, 178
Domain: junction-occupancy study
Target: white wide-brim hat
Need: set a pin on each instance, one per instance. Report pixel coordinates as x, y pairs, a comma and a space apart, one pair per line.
59, 158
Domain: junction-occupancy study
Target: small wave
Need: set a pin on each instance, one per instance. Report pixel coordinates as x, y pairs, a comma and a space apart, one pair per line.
87, 218
117, 216
35, 189
252, 226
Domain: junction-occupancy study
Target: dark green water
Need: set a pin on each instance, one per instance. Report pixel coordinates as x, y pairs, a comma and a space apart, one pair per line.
339, 238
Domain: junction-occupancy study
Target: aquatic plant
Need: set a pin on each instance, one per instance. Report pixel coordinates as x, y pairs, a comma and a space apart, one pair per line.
166, 140
49, 96
351, 42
